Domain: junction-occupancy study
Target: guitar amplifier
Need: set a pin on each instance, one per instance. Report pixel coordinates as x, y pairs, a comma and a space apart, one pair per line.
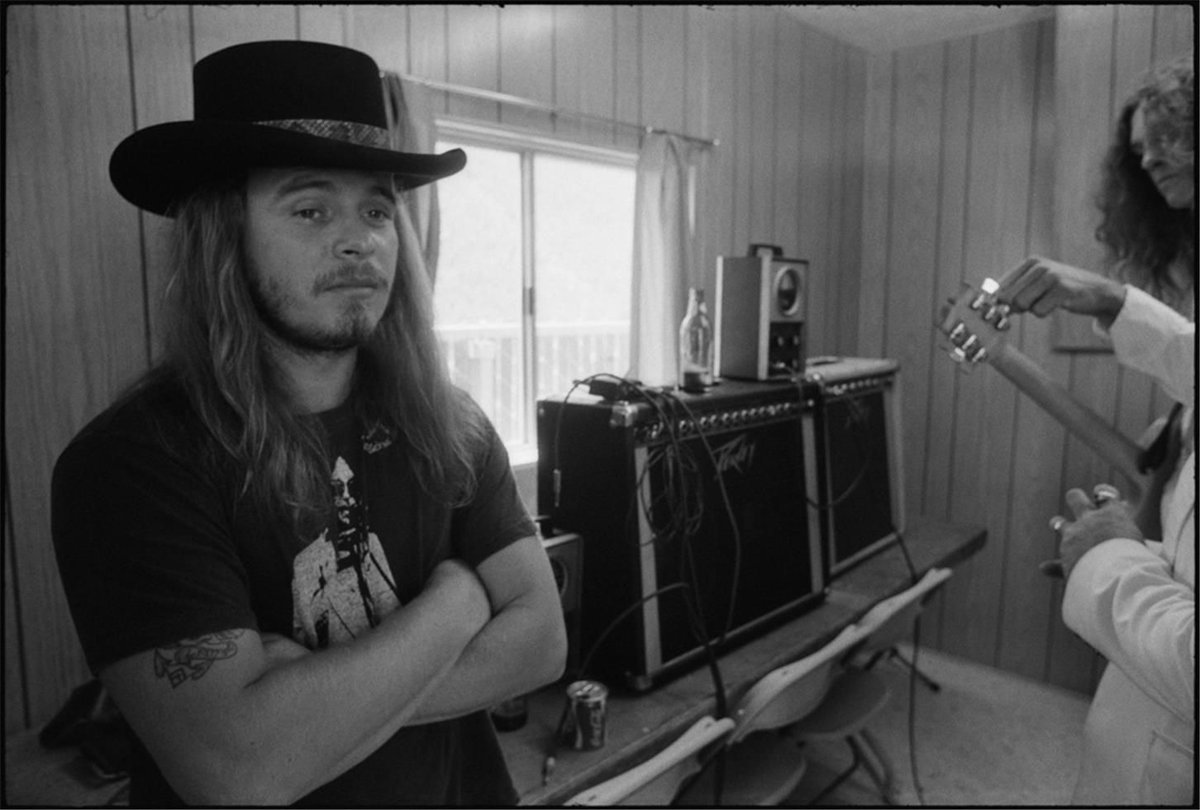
854, 430
681, 498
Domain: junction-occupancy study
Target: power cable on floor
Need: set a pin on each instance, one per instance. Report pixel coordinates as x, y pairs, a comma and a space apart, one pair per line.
912, 722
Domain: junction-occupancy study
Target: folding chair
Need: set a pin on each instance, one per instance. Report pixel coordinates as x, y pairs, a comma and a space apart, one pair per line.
657, 780
762, 766
858, 694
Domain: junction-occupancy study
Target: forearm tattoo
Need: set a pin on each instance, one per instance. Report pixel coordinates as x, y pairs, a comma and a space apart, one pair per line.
191, 658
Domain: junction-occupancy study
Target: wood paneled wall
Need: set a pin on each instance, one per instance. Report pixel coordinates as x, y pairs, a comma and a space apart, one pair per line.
978, 152
84, 269
898, 176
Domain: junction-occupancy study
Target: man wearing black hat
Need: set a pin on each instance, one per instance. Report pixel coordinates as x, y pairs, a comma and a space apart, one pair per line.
294, 553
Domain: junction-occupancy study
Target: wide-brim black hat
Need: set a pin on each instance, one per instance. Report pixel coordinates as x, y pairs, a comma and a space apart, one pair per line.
271, 104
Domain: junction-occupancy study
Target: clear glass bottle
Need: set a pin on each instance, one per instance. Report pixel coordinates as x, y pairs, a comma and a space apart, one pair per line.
696, 345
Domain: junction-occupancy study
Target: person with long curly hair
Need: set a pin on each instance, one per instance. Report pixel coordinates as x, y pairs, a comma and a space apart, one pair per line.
1132, 597
294, 553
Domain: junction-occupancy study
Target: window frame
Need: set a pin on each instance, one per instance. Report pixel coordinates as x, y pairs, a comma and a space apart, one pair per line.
526, 143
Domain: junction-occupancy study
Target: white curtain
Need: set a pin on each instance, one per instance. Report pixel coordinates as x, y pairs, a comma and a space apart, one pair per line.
663, 254
411, 127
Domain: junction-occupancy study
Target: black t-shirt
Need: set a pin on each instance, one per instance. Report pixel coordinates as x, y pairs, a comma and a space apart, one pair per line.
153, 547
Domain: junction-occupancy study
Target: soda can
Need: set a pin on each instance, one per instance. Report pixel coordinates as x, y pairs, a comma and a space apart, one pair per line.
583, 725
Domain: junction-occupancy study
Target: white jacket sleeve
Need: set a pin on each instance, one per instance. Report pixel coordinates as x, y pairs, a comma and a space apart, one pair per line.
1122, 599
1151, 337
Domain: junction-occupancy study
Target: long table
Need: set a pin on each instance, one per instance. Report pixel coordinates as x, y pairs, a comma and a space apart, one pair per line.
640, 725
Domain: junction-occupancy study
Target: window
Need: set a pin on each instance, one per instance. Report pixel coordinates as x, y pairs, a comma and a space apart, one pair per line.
533, 285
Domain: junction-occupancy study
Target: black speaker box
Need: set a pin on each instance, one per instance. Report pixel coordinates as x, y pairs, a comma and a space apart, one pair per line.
646, 483
566, 561
854, 431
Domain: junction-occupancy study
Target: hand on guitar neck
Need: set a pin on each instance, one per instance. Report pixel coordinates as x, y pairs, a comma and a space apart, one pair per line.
976, 328
1041, 286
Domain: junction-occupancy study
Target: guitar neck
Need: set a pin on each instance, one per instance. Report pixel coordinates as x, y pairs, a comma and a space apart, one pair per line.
1091, 429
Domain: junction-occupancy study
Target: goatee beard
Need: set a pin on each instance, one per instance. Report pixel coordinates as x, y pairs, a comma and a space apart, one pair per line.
354, 328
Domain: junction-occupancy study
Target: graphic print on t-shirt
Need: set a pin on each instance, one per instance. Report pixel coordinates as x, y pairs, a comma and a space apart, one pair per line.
341, 585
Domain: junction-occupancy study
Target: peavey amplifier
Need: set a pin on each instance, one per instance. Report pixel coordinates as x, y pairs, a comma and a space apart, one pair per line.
681, 499
855, 434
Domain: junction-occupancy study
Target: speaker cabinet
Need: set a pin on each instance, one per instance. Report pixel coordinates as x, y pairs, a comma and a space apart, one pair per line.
855, 432
762, 304
646, 485
566, 561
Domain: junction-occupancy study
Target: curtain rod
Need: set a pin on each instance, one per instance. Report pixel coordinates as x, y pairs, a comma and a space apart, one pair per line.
505, 98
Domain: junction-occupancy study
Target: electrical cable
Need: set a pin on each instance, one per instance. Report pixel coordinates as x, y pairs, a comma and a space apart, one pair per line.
860, 441
687, 513
912, 569
584, 667
912, 723
582, 670
912, 676
681, 503
557, 468
737, 537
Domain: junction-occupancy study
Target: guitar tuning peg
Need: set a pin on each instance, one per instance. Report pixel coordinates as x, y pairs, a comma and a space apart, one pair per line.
958, 334
981, 300
997, 315
961, 360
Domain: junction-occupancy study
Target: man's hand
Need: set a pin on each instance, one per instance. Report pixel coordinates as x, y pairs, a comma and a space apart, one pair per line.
1093, 524
1041, 286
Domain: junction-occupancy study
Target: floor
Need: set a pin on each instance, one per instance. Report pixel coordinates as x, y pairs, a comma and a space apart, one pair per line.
986, 738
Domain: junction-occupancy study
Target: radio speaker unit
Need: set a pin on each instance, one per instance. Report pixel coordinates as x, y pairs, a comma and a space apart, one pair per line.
566, 562
854, 430
645, 482
761, 308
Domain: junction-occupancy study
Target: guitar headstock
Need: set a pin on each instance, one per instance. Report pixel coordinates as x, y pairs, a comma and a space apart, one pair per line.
974, 324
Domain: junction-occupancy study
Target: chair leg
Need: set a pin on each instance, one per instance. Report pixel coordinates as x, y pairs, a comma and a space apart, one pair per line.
841, 777
933, 685
884, 777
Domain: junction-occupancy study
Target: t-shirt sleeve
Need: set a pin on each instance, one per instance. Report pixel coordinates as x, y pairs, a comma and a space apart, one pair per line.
143, 549
495, 517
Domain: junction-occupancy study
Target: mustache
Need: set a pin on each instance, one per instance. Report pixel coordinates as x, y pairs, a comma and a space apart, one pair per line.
350, 275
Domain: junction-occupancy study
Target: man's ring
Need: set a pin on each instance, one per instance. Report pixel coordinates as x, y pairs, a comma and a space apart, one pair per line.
1103, 493
1056, 523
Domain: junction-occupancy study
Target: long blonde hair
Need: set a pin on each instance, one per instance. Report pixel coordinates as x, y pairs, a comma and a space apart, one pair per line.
216, 348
